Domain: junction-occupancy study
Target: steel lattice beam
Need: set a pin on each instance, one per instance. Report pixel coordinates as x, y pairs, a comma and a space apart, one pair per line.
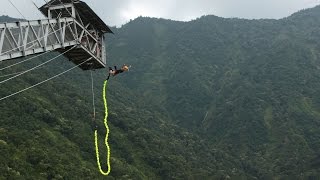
70, 24
31, 37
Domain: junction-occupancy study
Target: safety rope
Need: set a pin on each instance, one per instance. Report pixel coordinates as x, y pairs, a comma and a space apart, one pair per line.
93, 103
107, 134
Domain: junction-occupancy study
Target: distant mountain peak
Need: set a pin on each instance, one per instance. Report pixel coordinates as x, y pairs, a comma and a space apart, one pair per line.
315, 11
5, 18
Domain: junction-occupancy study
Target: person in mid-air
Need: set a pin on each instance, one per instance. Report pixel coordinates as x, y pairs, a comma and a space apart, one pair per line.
116, 71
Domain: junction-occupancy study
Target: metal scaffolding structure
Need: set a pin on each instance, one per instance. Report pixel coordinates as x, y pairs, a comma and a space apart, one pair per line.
69, 23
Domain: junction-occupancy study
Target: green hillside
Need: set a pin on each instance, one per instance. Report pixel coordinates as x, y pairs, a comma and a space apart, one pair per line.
213, 98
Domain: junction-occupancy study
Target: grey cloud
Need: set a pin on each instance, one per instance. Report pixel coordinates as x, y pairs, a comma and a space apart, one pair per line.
120, 11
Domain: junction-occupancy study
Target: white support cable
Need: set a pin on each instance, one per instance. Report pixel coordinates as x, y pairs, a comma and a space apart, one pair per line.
34, 4
2, 76
18, 92
17, 9
1, 82
10, 74
35, 40
24, 60
36, 7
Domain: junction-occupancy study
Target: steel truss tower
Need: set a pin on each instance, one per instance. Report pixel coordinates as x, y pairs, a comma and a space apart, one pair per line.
70, 23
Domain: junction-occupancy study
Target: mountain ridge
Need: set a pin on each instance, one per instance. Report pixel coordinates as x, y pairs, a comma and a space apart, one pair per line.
240, 55
210, 99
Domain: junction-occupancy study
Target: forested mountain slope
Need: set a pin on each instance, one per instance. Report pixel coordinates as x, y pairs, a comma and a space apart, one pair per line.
206, 99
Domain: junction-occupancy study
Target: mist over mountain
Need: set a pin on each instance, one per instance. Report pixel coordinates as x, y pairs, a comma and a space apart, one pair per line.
213, 98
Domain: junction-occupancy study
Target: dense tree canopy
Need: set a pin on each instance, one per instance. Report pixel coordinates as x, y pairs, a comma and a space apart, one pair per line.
206, 99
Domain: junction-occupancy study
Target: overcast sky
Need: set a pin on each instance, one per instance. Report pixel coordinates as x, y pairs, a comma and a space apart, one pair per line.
118, 12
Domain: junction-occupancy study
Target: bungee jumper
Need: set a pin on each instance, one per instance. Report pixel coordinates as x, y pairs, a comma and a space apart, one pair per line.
86, 49
116, 71
112, 72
